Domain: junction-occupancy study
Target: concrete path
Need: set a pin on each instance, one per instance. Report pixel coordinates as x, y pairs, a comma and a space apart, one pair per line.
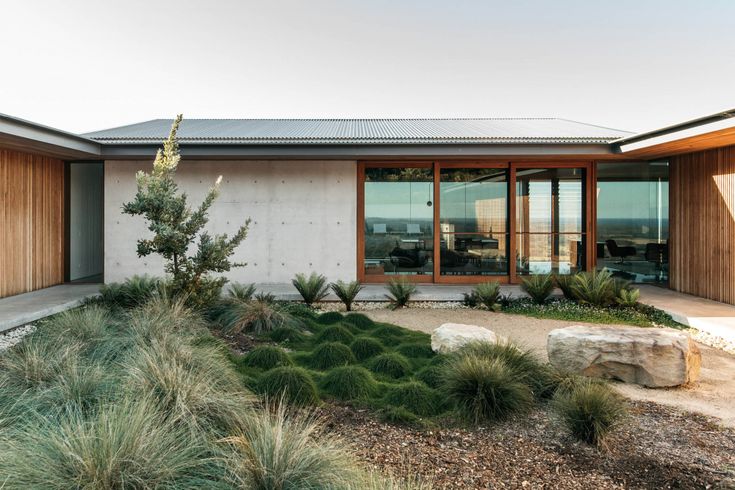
28, 307
709, 316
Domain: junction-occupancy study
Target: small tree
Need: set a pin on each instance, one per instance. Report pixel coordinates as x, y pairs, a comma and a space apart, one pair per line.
176, 227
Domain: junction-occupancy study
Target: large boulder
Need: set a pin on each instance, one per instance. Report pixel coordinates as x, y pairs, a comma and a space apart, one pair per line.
652, 357
451, 336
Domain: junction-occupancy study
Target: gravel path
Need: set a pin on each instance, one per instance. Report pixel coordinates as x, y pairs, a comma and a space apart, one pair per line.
712, 395
10, 338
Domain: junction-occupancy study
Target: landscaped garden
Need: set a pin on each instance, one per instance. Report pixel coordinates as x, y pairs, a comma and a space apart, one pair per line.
184, 382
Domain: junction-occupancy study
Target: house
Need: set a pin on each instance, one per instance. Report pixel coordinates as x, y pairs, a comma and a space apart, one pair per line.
433, 200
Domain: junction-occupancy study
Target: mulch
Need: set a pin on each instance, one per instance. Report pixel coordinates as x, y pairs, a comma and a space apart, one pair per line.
657, 447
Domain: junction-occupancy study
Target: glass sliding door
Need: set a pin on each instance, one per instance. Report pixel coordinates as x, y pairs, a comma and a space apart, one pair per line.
550, 222
398, 221
633, 220
473, 222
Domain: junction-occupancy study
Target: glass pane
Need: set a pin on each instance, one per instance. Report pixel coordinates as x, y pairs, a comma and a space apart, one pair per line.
633, 220
473, 218
399, 221
474, 254
550, 253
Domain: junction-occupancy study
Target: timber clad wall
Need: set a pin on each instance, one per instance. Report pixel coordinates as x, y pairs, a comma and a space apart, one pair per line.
702, 226
31, 222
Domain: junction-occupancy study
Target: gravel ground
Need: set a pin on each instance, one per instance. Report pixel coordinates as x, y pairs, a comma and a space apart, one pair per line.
712, 395
657, 447
10, 338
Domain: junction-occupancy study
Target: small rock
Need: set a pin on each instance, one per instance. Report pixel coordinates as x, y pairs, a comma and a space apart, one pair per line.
652, 357
451, 336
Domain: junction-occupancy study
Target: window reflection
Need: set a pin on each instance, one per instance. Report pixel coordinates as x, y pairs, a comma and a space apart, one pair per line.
399, 221
633, 220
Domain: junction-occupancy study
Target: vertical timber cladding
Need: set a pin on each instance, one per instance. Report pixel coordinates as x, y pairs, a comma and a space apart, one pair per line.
31, 222
702, 223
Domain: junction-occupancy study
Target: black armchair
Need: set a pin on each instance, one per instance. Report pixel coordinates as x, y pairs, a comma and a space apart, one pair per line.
620, 252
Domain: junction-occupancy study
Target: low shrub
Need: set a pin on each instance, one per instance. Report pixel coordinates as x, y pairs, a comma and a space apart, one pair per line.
484, 390
538, 286
589, 410
431, 376
294, 384
243, 292
390, 364
312, 288
400, 292
346, 292
128, 444
266, 357
335, 333
416, 350
628, 297
596, 288
359, 320
331, 354
329, 318
281, 450
413, 396
287, 334
349, 383
365, 348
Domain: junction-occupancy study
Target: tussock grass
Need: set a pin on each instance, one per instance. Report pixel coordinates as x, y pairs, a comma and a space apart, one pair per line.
335, 333
414, 396
331, 354
329, 318
359, 320
417, 350
390, 364
287, 334
129, 444
589, 410
293, 384
277, 449
431, 376
366, 347
266, 357
484, 390
349, 383
256, 316
35, 362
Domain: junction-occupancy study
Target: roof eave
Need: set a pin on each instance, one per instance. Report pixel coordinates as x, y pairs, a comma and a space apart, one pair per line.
22, 135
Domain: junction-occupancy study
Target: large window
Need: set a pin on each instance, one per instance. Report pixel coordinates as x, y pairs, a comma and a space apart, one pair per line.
633, 220
550, 233
399, 221
473, 219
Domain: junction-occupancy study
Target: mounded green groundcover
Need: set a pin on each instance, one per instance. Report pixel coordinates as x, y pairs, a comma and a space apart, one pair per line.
348, 358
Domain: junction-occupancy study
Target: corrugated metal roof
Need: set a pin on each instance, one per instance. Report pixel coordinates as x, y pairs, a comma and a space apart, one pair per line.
364, 131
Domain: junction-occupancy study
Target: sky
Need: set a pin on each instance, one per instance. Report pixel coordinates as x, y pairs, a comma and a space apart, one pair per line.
82, 65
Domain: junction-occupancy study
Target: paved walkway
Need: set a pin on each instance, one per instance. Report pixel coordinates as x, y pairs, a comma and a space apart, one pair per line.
25, 308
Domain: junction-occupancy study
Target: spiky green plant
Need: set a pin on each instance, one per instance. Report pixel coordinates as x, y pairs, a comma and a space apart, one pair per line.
400, 292
134, 291
278, 449
487, 294
589, 410
628, 297
313, 288
538, 286
564, 282
346, 292
595, 288
176, 227
484, 390
243, 292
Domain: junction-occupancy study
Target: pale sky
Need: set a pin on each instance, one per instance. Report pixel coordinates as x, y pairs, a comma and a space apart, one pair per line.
83, 65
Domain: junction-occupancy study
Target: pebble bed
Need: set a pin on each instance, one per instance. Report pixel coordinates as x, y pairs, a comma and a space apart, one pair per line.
10, 338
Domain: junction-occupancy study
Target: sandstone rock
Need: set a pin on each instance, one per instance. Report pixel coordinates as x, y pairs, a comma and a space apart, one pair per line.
652, 357
451, 336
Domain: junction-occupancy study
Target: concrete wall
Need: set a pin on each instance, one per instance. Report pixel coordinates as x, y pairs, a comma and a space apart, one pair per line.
303, 216
85, 220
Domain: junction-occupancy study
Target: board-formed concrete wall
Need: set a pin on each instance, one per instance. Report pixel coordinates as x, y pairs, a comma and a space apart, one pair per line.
303, 217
